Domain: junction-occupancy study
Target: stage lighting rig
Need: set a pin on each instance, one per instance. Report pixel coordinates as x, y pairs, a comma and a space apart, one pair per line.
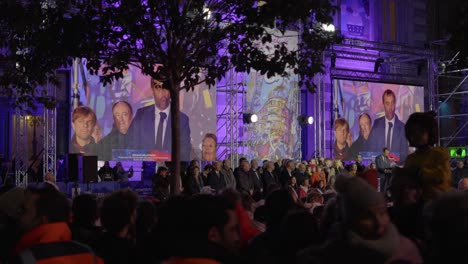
305, 120
248, 118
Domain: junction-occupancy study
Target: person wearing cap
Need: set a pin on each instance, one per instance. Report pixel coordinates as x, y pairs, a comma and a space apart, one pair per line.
365, 232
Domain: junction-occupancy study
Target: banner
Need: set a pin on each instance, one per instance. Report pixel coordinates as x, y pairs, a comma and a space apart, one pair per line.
275, 101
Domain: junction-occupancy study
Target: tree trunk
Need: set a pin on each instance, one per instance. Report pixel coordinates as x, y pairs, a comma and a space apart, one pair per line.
175, 121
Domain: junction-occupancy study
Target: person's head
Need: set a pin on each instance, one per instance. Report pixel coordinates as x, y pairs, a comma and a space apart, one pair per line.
208, 168
123, 114
365, 123
209, 147
195, 171
389, 102
363, 209
341, 131
241, 160
162, 171
373, 166
216, 222
359, 158
305, 182
83, 122
254, 164
118, 211
118, 164
353, 167
245, 166
385, 152
49, 177
270, 166
312, 162
106, 164
290, 165
293, 181
43, 206
227, 163
302, 168
321, 184
421, 129
217, 165
460, 164
463, 184
162, 96
84, 209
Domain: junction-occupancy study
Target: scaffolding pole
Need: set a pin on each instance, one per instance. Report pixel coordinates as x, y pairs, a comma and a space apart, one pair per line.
50, 124
21, 153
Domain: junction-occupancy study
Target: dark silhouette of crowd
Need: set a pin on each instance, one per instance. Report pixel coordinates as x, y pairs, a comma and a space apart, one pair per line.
284, 211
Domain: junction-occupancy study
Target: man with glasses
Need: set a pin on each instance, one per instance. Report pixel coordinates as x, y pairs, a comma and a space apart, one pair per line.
152, 129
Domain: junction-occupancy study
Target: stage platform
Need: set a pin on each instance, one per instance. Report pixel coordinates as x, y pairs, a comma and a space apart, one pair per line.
143, 188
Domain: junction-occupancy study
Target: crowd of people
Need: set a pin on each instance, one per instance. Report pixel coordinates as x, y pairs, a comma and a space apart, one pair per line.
316, 211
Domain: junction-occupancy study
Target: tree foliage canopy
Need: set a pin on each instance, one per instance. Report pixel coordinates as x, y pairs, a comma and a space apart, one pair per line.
185, 37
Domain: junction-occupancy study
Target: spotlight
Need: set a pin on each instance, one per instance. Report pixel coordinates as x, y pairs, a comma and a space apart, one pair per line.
378, 63
248, 118
328, 27
305, 120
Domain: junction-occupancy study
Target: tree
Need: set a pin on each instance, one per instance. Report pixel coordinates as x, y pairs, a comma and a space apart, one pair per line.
192, 42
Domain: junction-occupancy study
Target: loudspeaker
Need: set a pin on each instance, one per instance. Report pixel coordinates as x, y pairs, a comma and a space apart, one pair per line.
73, 165
81, 168
90, 169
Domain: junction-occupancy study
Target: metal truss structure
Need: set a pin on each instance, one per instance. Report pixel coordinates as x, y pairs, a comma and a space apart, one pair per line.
319, 117
50, 136
452, 108
230, 117
21, 153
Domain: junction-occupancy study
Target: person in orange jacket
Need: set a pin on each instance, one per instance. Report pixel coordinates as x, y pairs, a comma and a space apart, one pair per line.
47, 238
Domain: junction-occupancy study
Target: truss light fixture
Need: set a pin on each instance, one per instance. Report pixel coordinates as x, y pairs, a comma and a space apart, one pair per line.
248, 118
305, 120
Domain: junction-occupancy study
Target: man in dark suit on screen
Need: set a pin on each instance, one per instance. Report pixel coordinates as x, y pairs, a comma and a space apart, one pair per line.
384, 168
388, 131
152, 129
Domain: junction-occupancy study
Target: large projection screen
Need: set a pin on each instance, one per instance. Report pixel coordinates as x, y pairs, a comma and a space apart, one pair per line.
123, 135
387, 105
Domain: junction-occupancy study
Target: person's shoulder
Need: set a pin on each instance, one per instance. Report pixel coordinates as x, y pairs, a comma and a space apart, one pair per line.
183, 116
107, 139
398, 122
145, 109
379, 120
